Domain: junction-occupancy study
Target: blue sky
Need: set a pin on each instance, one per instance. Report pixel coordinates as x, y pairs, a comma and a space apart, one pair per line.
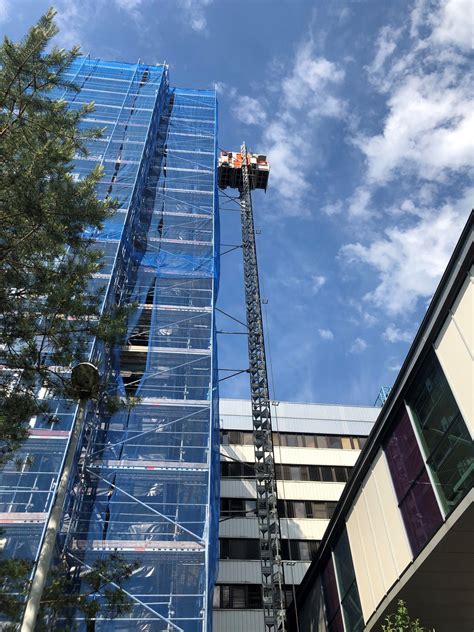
365, 111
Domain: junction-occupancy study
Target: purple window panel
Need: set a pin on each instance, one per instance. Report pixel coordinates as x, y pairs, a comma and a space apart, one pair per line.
415, 494
421, 513
331, 599
403, 455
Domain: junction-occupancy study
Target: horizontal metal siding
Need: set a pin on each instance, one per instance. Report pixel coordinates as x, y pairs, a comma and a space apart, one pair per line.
295, 456
238, 620
287, 490
293, 528
249, 572
308, 418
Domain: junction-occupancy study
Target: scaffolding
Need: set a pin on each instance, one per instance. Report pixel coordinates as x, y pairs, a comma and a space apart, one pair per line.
146, 483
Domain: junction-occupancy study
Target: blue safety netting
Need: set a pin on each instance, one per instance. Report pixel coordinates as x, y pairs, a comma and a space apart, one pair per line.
147, 486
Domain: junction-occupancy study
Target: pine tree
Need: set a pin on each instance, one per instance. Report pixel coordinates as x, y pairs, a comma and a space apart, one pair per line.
46, 262
48, 311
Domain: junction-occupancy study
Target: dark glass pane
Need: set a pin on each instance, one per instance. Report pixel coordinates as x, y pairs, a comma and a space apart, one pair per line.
403, 456
341, 475
326, 473
330, 508
331, 598
248, 438
299, 509
309, 441
322, 441
314, 473
238, 596
334, 442
225, 597
254, 596
292, 440
295, 472
352, 610
344, 566
276, 438
443, 431
420, 513
453, 462
319, 510
285, 549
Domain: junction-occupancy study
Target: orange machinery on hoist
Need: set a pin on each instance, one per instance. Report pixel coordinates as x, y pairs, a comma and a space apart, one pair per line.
230, 170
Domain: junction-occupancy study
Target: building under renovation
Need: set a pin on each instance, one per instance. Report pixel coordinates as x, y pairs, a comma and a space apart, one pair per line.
146, 480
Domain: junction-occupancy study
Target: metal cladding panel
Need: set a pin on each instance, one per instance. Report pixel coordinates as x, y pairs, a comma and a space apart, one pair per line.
235, 414
239, 572
309, 490
296, 456
292, 528
455, 350
238, 620
237, 488
379, 543
303, 528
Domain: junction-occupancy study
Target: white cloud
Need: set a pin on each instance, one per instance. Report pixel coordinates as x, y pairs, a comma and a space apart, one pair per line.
4, 11
393, 334
326, 334
359, 203
454, 23
128, 5
309, 95
249, 111
386, 45
332, 208
410, 260
428, 132
358, 346
195, 13
317, 283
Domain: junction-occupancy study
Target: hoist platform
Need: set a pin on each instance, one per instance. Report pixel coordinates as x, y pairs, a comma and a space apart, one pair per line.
230, 170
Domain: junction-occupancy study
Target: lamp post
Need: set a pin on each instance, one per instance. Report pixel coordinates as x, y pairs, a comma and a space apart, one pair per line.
85, 383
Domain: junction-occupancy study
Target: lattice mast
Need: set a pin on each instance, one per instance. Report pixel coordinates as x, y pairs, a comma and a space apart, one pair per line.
245, 172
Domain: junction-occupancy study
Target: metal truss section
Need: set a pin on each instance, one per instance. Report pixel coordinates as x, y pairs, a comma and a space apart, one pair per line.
267, 515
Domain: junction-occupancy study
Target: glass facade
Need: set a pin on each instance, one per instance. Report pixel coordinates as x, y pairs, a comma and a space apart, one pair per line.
446, 439
350, 600
331, 598
415, 494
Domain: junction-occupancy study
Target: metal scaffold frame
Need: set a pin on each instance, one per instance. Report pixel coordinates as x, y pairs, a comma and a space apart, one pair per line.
267, 514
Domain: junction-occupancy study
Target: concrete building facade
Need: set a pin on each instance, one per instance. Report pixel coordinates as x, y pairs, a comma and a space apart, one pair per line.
316, 447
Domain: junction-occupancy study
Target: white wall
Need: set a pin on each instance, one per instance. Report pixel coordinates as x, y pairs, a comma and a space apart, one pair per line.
379, 544
455, 350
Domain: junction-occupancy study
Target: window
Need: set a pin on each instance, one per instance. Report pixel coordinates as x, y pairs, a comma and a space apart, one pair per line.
415, 495
239, 549
350, 600
299, 550
237, 507
334, 442
248, 596
444, 434
234, 469
306, 509
331, 599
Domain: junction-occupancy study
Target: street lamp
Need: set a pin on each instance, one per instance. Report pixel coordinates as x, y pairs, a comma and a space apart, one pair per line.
85, 384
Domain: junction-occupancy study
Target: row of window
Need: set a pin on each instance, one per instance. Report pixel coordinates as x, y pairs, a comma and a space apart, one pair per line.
326, 473
246, 507
249, 549
244, 596
296, 440
306, 509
